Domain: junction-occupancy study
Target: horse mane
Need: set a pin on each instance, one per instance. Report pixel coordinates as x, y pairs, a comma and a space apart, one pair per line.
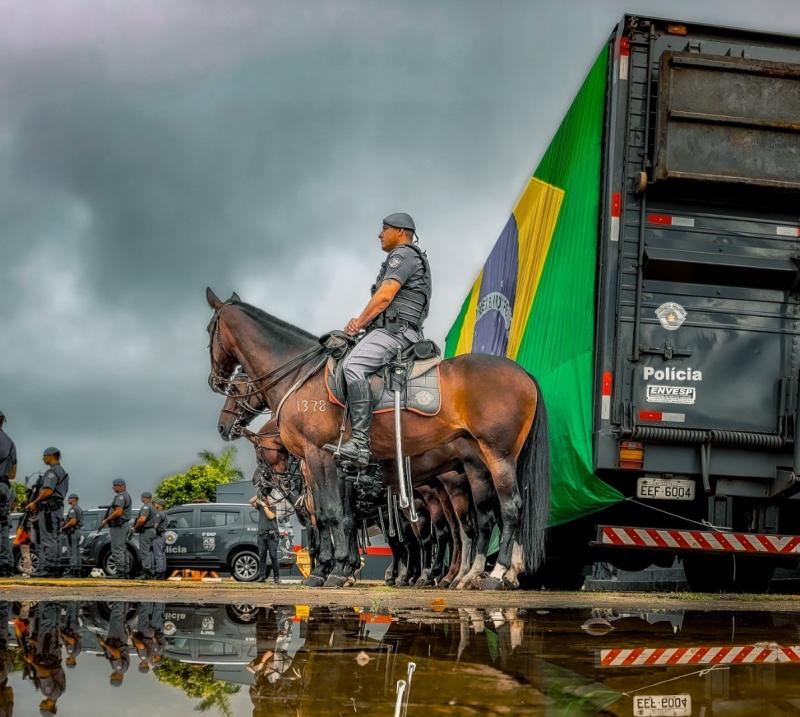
267, 322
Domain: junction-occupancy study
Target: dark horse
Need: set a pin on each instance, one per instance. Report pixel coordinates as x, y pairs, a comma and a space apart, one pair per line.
489, 399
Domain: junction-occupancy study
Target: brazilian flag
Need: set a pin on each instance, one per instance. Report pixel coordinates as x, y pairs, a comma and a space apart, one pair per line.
534, 299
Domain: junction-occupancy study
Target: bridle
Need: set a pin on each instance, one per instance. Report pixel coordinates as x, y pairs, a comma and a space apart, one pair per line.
259, 385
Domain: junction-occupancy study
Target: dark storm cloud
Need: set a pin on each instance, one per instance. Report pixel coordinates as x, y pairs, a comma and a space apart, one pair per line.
150, 149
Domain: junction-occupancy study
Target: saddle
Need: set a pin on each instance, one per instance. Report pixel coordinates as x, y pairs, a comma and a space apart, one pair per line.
421, 388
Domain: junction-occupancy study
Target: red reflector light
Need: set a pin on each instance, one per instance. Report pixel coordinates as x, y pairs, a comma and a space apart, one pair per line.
659, 219
631, 455
624, 46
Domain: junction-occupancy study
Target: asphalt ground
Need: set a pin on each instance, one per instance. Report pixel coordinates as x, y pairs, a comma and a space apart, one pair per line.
374, 595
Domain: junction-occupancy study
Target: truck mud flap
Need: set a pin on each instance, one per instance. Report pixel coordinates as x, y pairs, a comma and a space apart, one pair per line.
704, 541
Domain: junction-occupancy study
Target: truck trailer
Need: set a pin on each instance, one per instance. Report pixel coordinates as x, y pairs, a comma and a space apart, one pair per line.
649, 277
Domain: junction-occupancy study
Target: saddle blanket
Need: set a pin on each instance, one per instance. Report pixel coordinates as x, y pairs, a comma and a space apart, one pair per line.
421, 394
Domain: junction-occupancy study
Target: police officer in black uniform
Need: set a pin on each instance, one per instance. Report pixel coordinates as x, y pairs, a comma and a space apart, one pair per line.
48, 506
160, 542
8, 472
118, 519
393, 319
267, 538
145, 526
72, 529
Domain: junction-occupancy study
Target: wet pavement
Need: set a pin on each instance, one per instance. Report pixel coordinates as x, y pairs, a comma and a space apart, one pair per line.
155, 658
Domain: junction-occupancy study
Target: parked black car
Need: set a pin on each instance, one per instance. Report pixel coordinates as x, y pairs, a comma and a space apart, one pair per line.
95, 544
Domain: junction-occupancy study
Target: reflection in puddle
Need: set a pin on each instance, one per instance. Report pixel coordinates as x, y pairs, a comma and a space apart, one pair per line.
119, 658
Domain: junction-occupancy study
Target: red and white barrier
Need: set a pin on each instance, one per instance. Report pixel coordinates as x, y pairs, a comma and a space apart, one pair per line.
698, 655
700, 540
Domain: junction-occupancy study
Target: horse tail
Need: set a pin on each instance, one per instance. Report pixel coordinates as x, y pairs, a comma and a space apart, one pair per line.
533, 475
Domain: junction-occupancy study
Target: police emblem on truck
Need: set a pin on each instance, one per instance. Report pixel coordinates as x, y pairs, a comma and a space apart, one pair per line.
671, 315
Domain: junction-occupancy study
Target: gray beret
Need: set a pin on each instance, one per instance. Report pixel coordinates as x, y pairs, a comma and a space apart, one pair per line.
72, 495
51, 451
147, 494
400, 220
118, 481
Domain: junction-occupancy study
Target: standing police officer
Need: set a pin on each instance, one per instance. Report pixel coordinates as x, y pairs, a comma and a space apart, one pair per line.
267, 538
118, 517
159, 542
145, 526
8, 472
393, 320
49, 504
72, 529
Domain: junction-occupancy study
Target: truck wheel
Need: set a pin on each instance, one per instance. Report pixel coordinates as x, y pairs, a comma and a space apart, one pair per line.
244, 566
728, 573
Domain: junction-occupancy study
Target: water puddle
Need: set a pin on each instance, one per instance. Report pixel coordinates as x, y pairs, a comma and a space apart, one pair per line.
152, 659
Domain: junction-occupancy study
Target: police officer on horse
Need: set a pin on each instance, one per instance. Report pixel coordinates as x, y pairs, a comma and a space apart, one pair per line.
393, 320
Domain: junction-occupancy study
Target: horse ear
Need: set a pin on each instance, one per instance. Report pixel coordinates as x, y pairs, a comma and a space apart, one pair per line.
213, 300
235, 297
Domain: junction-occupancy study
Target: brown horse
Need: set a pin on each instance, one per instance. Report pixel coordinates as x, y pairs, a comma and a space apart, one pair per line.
489, 399
238, 411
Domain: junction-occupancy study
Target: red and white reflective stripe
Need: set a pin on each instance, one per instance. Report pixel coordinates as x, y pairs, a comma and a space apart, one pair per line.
662, 416
670, 221
699, 655
605, 396
624, 57
788, 231
703, 540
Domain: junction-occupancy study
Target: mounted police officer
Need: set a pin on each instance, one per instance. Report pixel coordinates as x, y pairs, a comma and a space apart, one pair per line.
72, 529
393, 319
8, 472
118, 518
159, 542
145, 526
48, 506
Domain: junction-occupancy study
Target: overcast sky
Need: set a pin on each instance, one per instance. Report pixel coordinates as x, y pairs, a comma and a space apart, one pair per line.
149, 149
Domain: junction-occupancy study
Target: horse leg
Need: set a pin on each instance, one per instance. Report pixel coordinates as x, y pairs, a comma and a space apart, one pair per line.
483, 498
345, 544
326, 505
431, 540
504, 470
455, 542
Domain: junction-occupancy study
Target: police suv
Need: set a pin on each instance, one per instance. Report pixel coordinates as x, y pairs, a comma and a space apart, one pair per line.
217, 536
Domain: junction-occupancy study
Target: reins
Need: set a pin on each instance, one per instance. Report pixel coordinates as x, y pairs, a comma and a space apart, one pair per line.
266, 381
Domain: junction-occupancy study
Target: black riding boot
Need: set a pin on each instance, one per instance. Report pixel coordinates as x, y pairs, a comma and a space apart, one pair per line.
359, 402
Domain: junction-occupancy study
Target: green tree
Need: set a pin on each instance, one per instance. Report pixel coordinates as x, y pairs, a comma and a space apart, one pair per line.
198, 682
224, 463
199, 483
19, 495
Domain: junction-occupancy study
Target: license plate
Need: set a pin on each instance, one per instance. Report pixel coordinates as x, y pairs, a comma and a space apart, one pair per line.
665, 488
662, 706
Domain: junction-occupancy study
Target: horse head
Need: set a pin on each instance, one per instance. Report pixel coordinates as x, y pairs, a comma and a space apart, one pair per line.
223, 360
240, 407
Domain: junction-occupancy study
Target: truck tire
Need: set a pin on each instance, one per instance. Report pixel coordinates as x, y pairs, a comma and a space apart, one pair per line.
728, 573
244, 566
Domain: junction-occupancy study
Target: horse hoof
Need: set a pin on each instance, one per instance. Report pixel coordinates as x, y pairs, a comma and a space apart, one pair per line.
350, 581
489, 583
510, 585
389, 582
314, 581
335, 581
402, 583
444, 584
